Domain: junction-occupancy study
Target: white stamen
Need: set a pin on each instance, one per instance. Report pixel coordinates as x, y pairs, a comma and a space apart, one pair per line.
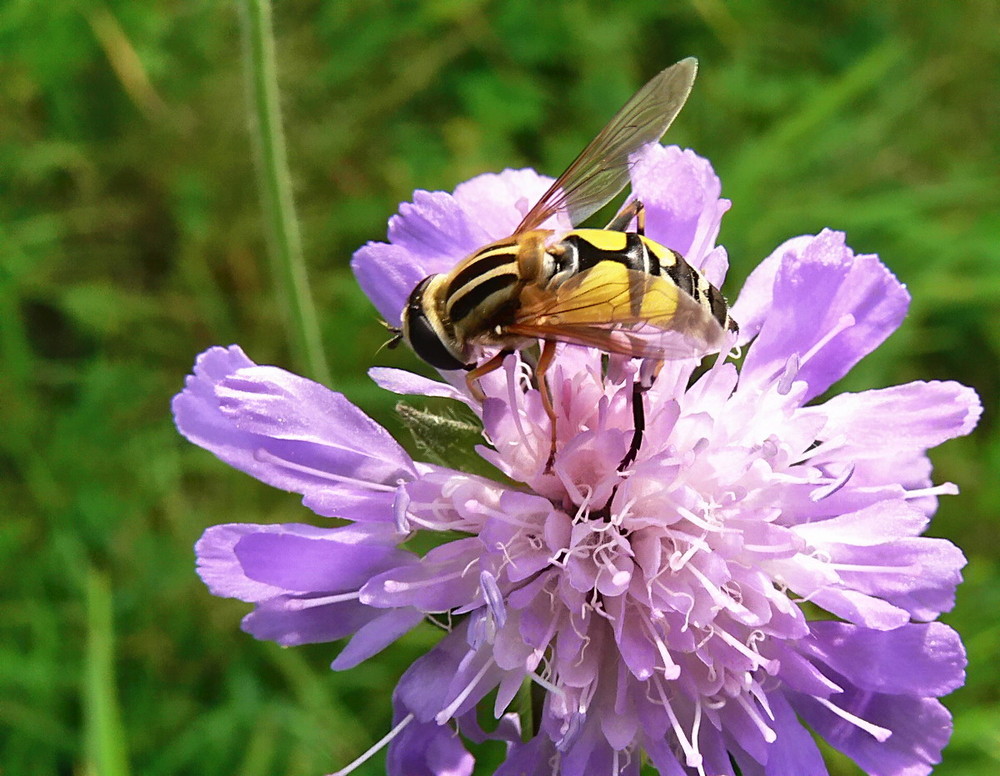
260, 454
692, 757
696, 731
788, 375
670, 669
769, 735
944, 489
880, 734
300, 604
845, 322
742, 648
913, 569
457, 525
830, 488
701, 522
395, 586
376, 747
448, 711
514, 404
399, 506
721, 600
546, 684
493, 597
477, 634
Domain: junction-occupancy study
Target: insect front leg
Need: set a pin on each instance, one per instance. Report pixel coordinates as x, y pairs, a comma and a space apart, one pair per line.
634, 209
475, 373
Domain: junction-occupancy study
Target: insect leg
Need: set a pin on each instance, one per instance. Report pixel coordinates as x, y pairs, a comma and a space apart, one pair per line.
634, 209
544, 361
642, 384
473, 375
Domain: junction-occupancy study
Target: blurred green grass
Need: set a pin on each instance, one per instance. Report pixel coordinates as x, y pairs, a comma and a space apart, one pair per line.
131, 239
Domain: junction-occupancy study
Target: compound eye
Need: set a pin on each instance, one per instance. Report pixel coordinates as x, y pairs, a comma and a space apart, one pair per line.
423, 337
428, 345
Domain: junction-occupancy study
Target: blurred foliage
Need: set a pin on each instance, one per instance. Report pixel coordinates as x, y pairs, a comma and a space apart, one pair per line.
131, 239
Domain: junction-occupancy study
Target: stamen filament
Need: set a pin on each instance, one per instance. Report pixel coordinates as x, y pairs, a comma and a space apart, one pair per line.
448, 711
376, 746
266, 456
299, 604
880, 734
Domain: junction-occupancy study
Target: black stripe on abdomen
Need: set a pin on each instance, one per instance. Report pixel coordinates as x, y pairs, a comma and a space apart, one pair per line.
477, 294
683, 276
634, 256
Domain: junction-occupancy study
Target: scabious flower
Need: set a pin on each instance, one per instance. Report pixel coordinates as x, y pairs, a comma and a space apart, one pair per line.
757, 569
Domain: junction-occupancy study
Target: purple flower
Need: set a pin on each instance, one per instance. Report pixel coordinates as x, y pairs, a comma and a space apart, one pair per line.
758, 566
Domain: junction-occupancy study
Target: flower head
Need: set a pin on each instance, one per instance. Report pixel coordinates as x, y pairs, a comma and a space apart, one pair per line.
758, 565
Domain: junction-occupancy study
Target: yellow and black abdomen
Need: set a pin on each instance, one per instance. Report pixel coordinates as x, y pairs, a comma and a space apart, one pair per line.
584, 249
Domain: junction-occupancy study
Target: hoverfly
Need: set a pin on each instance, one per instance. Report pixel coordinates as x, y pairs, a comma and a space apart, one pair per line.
611, 289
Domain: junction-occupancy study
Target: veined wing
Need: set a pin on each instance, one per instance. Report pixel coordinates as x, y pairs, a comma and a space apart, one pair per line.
602, 168
620, 310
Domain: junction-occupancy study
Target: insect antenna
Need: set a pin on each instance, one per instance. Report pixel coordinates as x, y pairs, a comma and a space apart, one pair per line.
393, 342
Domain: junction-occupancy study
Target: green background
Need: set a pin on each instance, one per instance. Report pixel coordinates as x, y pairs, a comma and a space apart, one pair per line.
131, 238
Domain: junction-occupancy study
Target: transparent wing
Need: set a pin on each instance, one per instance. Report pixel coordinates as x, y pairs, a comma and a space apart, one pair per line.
620, 310
602, 168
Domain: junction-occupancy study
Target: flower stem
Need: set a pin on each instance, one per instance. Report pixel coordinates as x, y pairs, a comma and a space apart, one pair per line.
274, 181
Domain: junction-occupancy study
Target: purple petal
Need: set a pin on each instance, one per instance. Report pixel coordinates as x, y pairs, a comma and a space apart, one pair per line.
528, 758
498, 202
755, 299
915, 416
873, 525
663, 758
683, 208
258, 562
443, 579
436, 230
285, 430
862, 609
798, 673
220, 569
362, 506
916, 659
827, 308
307, 561
292, 620
376, 635
920, 727
794, 751
423, 687
427, 749
919, 574
408, 384
387, 274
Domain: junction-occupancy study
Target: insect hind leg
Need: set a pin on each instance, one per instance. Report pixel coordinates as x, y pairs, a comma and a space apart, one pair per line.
544, 362
634, 209
640, 385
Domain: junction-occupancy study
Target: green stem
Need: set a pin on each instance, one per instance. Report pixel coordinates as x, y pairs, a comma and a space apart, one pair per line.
107, 752
274, 181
